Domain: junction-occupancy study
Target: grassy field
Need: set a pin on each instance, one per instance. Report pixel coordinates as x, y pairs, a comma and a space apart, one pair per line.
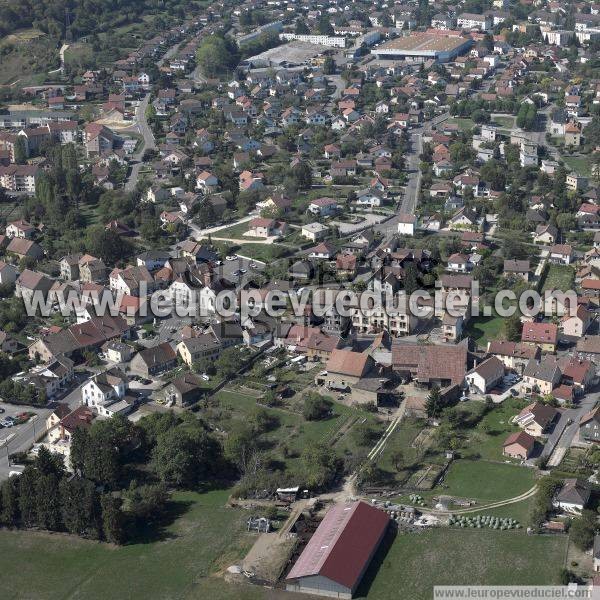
507, 122
463, 124
486, 481
520, 511
235, 231
414, 564
293, 433
262, 252
582, 165
484, 329
21, 36
179, 563
487, 438
559, 277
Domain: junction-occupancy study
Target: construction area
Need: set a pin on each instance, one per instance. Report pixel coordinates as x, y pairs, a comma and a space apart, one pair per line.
292, 54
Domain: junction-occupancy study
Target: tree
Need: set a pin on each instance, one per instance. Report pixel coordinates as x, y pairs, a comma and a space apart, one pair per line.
397, 458
229, 362
433, 403
329, 66
112, 519
324, 26
316, 407
241, 447
80, 507
146, 502
49, 463
583, 529
512, 328
364, 434
302, 175
217, 55
321, 465
20, 150
204, 365
48, 502
27, 496
9, 496
411, 278
107, 245
185, 457
301, 27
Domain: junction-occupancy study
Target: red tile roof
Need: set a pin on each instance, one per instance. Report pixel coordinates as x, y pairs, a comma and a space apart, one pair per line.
522, 438
540, 333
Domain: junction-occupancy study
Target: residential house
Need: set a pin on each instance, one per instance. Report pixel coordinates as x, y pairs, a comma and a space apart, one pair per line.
589, 426
315, 231
514, 355
518, 445
573, 497
517, 268
154, 361
536, 418
486, 375
184, 390
106, 393
541, 376
323, 207
561, 254
545, 234
201, 347
577, 325
544, 335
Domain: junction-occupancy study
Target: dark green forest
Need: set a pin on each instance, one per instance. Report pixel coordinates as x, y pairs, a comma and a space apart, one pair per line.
85, 16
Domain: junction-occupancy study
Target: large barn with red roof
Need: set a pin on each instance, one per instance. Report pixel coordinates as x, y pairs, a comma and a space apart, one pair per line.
338, 554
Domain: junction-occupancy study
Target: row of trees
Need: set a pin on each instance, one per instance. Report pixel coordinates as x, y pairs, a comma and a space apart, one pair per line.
101, 501
527, 116
45, 497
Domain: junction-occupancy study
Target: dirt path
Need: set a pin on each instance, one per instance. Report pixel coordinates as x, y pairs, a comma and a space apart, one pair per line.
462, 511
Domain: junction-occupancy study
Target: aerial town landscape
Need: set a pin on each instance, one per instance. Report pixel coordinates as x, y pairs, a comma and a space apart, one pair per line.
298, 299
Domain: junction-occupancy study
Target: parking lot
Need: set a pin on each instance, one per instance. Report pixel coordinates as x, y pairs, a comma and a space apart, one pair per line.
240, 269
19, 438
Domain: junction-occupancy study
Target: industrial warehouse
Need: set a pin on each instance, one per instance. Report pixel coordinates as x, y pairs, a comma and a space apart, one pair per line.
420, 47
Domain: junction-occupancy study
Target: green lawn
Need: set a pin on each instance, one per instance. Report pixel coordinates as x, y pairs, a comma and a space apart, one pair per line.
484, 329
559, 277
234, 231
414, 564
463, 124
520, 511
582, 165
507, 122
205, 538
262, 252
486, 481
487, 438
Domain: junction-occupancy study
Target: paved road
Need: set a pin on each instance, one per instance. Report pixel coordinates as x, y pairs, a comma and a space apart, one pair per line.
21, 437
149, 143
413, 185
561, 437
144, 128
